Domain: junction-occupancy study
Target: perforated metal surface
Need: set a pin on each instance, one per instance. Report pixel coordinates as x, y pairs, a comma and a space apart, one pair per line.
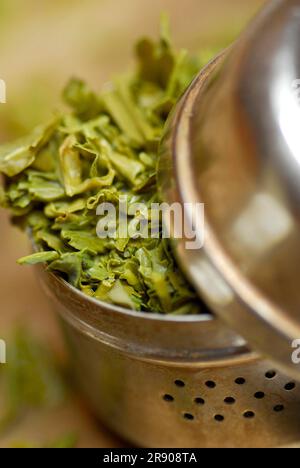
156, 406
245, 406
177, 382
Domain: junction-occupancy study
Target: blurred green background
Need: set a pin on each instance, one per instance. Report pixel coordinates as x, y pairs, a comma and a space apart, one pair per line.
42, 44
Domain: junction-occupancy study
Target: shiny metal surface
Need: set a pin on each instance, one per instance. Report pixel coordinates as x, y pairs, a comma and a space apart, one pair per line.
233, 144
161, 382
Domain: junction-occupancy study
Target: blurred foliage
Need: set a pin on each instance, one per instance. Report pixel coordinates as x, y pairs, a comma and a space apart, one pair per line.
65, 441
50, 29
31, 380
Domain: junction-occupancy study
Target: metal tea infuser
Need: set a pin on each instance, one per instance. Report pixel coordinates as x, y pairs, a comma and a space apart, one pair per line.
225, 379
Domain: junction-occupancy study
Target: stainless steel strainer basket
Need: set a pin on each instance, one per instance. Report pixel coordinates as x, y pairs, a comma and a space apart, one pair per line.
151, 382
191, 381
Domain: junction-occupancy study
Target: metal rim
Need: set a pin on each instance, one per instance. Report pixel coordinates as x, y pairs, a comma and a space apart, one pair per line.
132, 313
246, 292
227, 354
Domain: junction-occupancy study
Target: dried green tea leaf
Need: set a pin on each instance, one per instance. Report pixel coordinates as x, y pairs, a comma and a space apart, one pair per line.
81, 240
71, 167
15, 157
39, 257
121, 115
84, 101
71, 265
132, 170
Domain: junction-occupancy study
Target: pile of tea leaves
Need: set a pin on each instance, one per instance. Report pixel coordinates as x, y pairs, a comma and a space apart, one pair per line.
104, 148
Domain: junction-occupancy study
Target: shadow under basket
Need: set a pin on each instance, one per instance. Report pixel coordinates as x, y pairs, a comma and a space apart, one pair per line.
173, 382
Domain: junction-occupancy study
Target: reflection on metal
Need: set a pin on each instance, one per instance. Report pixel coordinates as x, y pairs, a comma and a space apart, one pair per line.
262, 226
288, 109
215, 287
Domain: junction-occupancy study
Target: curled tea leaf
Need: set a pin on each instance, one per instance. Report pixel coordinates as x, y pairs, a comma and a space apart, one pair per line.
15, 157
39, 257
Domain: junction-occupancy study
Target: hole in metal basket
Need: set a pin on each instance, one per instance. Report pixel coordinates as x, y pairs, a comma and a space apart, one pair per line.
179, 383
270, 374
189, 416
290, 386
240, 381
259, 395
229, 401
211, 384
249, 415
168, 398
219, 418
199, 401
278, 408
